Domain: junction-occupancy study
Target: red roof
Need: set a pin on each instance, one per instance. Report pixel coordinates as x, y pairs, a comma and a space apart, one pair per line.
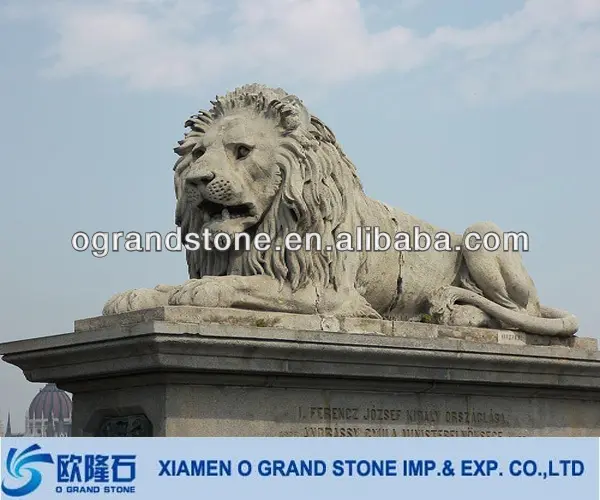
53, 400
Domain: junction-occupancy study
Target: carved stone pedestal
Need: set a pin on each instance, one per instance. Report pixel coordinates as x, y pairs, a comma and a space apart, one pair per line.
184, 371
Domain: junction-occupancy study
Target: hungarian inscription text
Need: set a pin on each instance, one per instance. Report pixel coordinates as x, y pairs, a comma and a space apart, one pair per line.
375, 421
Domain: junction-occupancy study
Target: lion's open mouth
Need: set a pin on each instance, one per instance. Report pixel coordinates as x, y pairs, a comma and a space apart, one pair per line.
216, 211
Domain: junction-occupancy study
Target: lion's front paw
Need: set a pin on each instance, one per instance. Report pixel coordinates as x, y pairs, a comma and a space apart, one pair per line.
366, 311
204, 292
135, 300
346, 304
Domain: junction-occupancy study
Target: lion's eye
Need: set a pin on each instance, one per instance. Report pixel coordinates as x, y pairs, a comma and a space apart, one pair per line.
197, 153
241, 152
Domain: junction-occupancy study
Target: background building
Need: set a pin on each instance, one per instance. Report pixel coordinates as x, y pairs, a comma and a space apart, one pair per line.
49, 415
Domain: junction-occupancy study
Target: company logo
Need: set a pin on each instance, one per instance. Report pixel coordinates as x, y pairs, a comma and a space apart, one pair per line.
16, 465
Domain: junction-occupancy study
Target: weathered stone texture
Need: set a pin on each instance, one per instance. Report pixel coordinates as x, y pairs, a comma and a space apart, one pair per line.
216, 372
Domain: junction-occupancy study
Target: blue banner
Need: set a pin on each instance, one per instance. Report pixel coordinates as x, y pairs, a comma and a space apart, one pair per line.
300, 468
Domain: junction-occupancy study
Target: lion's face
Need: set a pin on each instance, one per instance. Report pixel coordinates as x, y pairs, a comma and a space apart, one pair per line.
258, 161
233, 177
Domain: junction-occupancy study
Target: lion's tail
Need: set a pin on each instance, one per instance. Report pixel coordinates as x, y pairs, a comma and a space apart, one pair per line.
553, 322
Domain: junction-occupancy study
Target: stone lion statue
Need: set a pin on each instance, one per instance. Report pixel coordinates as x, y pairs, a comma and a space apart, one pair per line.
259, 162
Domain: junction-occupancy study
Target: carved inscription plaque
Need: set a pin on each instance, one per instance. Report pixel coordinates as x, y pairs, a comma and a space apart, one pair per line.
128, 426
382, 421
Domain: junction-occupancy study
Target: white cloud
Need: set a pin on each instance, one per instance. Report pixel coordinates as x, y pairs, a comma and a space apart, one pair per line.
547, 45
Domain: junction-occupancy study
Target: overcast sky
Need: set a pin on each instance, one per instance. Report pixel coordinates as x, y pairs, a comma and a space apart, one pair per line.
455, 110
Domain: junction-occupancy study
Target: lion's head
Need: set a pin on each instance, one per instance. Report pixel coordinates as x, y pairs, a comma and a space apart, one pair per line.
259, 162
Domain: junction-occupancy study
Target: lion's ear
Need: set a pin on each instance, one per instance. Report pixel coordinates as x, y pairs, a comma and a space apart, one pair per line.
299, 107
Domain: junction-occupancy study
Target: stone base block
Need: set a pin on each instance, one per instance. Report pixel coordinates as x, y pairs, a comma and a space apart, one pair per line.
185, 371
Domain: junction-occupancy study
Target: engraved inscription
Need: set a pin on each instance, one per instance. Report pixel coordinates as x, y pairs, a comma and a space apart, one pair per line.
408, 416
336, 431
380, 421
515, 338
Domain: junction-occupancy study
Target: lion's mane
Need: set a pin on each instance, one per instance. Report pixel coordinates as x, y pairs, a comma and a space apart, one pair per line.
319, 187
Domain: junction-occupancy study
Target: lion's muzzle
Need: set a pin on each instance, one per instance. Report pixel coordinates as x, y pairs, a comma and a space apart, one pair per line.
218, 191
211, 188
217, 200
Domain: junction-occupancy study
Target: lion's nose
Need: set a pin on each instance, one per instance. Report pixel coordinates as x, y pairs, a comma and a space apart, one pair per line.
199, 178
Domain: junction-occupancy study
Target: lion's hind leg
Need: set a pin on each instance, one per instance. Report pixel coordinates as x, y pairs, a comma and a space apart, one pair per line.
502, 289
496, 275
500, 274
